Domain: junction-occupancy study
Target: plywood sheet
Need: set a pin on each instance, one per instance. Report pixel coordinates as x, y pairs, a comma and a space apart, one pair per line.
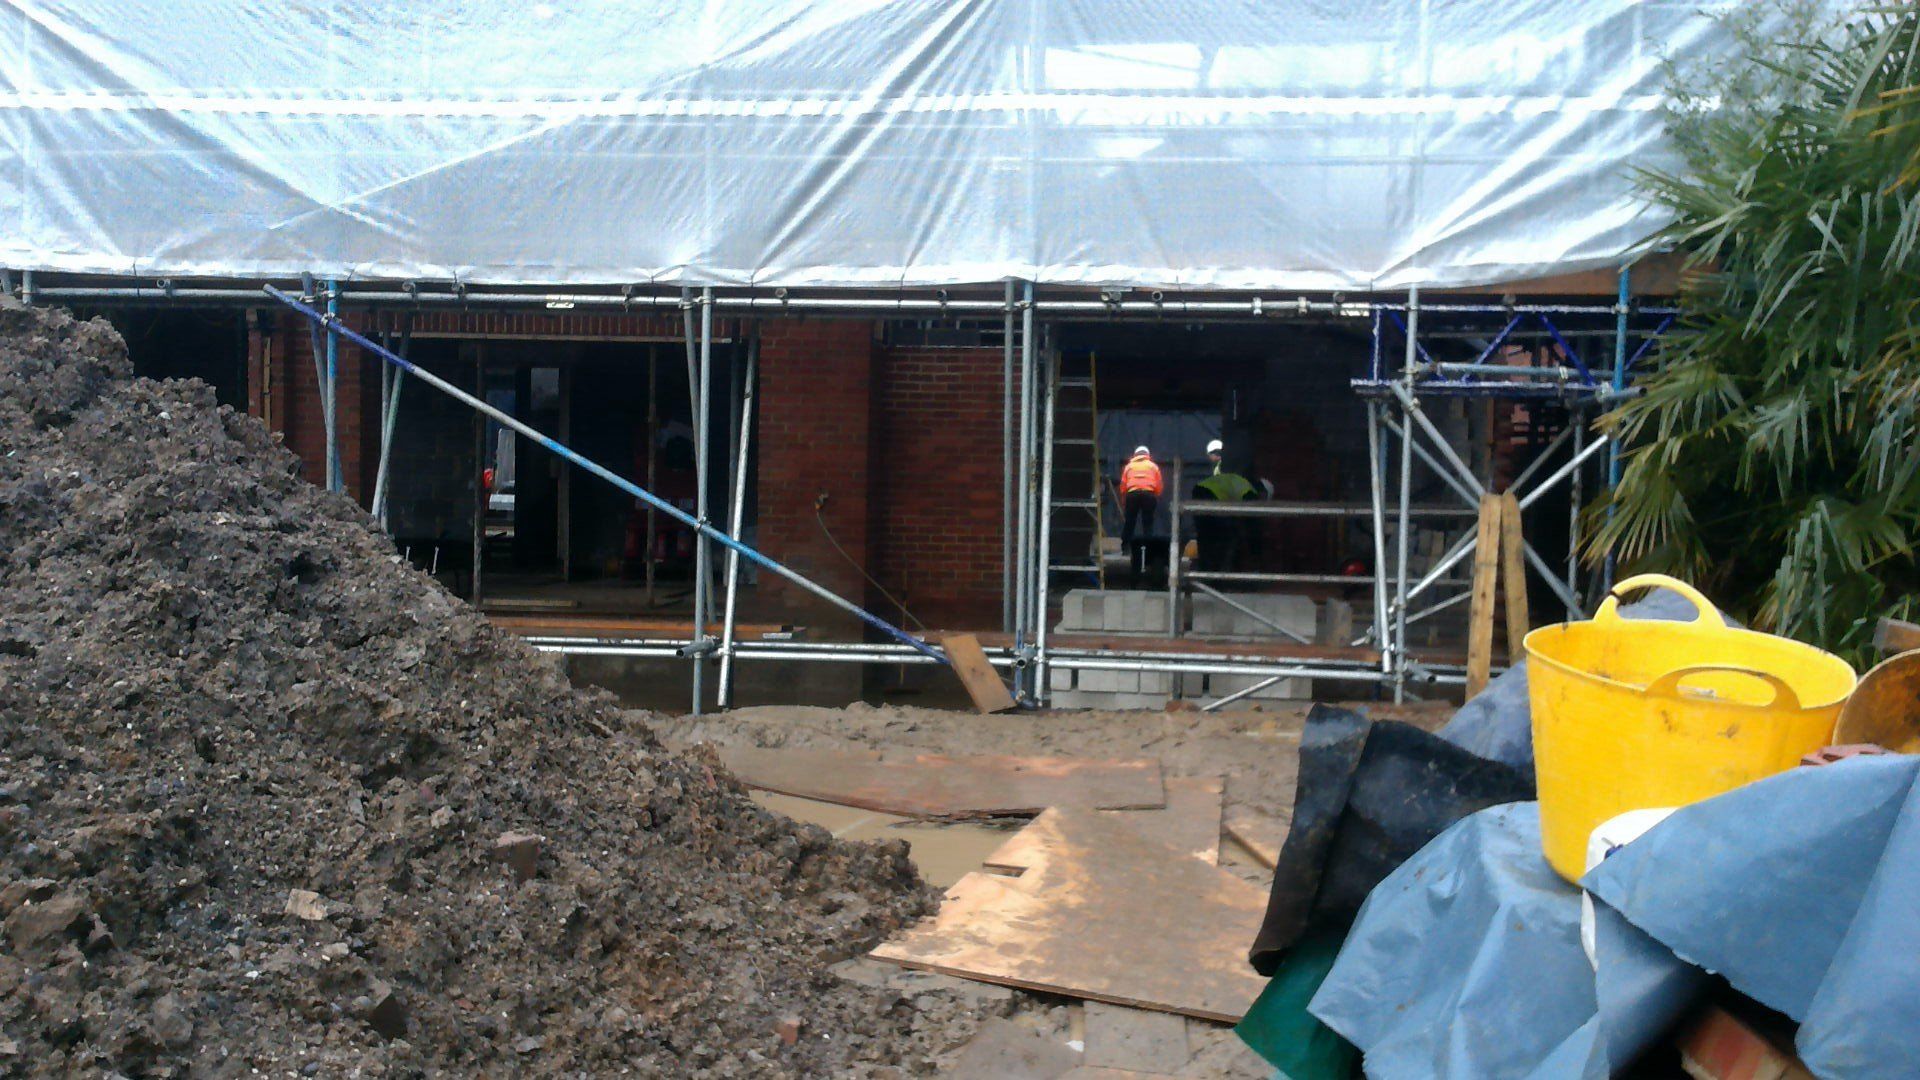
982, 683
937, 786
1103, 913
1189, 823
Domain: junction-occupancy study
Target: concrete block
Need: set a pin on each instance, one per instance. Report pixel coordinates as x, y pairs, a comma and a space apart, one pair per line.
1060, 678
1072, 699
1093, 610
1335, 623
1110, 681
1156, 682
1193, 685
1080, 610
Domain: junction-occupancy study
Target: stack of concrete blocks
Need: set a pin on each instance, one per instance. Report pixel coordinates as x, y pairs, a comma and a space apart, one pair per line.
1118, 613
1425, 546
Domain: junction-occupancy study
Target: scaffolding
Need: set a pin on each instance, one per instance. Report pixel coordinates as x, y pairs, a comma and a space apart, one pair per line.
1393, 401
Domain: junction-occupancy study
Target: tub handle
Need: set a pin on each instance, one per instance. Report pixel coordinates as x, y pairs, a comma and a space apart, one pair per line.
1668, 685
1706, 614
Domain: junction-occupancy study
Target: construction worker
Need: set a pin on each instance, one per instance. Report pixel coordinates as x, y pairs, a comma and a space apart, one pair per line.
1139, 494
1219, 538
1215, 450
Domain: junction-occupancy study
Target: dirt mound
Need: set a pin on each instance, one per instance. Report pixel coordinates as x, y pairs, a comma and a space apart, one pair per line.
258, 781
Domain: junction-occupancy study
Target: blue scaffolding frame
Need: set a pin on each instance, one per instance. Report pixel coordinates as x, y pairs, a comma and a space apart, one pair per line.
1394, 410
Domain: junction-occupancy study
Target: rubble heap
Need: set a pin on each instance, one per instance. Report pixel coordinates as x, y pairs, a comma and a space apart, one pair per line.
271, 799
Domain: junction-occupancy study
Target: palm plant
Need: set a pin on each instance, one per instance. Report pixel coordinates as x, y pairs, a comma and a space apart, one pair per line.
1772, 455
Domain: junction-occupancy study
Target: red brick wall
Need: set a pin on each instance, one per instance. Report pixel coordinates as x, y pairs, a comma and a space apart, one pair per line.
815, 417
938, 483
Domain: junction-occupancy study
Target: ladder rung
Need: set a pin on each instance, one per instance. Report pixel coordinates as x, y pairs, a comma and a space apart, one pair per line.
1075, 504
1070, 568
1088, 383
1073, 442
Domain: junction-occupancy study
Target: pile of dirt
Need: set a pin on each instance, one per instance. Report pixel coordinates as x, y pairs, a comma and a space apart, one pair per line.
271, 800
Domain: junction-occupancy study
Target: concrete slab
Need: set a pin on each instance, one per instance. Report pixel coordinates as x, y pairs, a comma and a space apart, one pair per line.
1137, 1039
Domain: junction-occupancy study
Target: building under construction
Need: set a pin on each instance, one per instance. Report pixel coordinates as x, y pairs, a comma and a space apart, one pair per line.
886, 293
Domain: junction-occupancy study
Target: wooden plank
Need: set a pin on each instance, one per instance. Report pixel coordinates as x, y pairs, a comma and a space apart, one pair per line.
1486, 566
1896, 636
1189, 824
936, 786
611, 626
1259, 833
982, 683
1104, 914
1513, 567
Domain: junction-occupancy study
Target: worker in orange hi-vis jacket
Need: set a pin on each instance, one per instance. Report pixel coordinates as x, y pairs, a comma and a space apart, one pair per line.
1139, 494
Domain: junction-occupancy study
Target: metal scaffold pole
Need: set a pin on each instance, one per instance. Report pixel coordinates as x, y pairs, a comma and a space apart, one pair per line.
1052, 383
335, 481
703, 459
1376, 483
1412, 406
392, 381
1023, 607
1008, 469
1622, 307
736, 522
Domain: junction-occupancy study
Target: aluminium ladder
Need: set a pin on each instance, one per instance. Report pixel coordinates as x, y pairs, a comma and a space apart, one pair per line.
1079, 535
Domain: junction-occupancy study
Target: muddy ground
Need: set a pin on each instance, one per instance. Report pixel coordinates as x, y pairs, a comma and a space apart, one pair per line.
273, 802
1256, 751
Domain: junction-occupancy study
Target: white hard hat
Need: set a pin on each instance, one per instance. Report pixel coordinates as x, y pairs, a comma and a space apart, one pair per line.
1215, 446
1138, 450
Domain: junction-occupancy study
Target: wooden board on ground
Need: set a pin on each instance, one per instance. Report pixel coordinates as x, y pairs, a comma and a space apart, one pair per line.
982, 683
1104, 914
1190, 823
1260, 834
1513, 567
1486, 570
937, 786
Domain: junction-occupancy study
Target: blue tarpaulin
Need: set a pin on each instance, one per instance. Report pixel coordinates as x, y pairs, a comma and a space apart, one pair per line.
1799, 889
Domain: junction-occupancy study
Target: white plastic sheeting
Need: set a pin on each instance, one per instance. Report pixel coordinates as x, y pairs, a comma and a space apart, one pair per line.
1298, 144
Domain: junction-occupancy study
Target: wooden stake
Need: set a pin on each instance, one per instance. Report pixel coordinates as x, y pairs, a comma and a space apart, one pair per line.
1513, 565
1486, 566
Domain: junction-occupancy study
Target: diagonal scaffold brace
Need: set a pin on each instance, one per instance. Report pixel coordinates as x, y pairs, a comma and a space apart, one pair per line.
336, 324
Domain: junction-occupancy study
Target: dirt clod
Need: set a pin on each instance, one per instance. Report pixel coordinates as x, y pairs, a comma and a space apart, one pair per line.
521, 853
218, 685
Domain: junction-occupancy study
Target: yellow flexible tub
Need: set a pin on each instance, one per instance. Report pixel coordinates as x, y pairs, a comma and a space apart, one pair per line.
1630, 714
